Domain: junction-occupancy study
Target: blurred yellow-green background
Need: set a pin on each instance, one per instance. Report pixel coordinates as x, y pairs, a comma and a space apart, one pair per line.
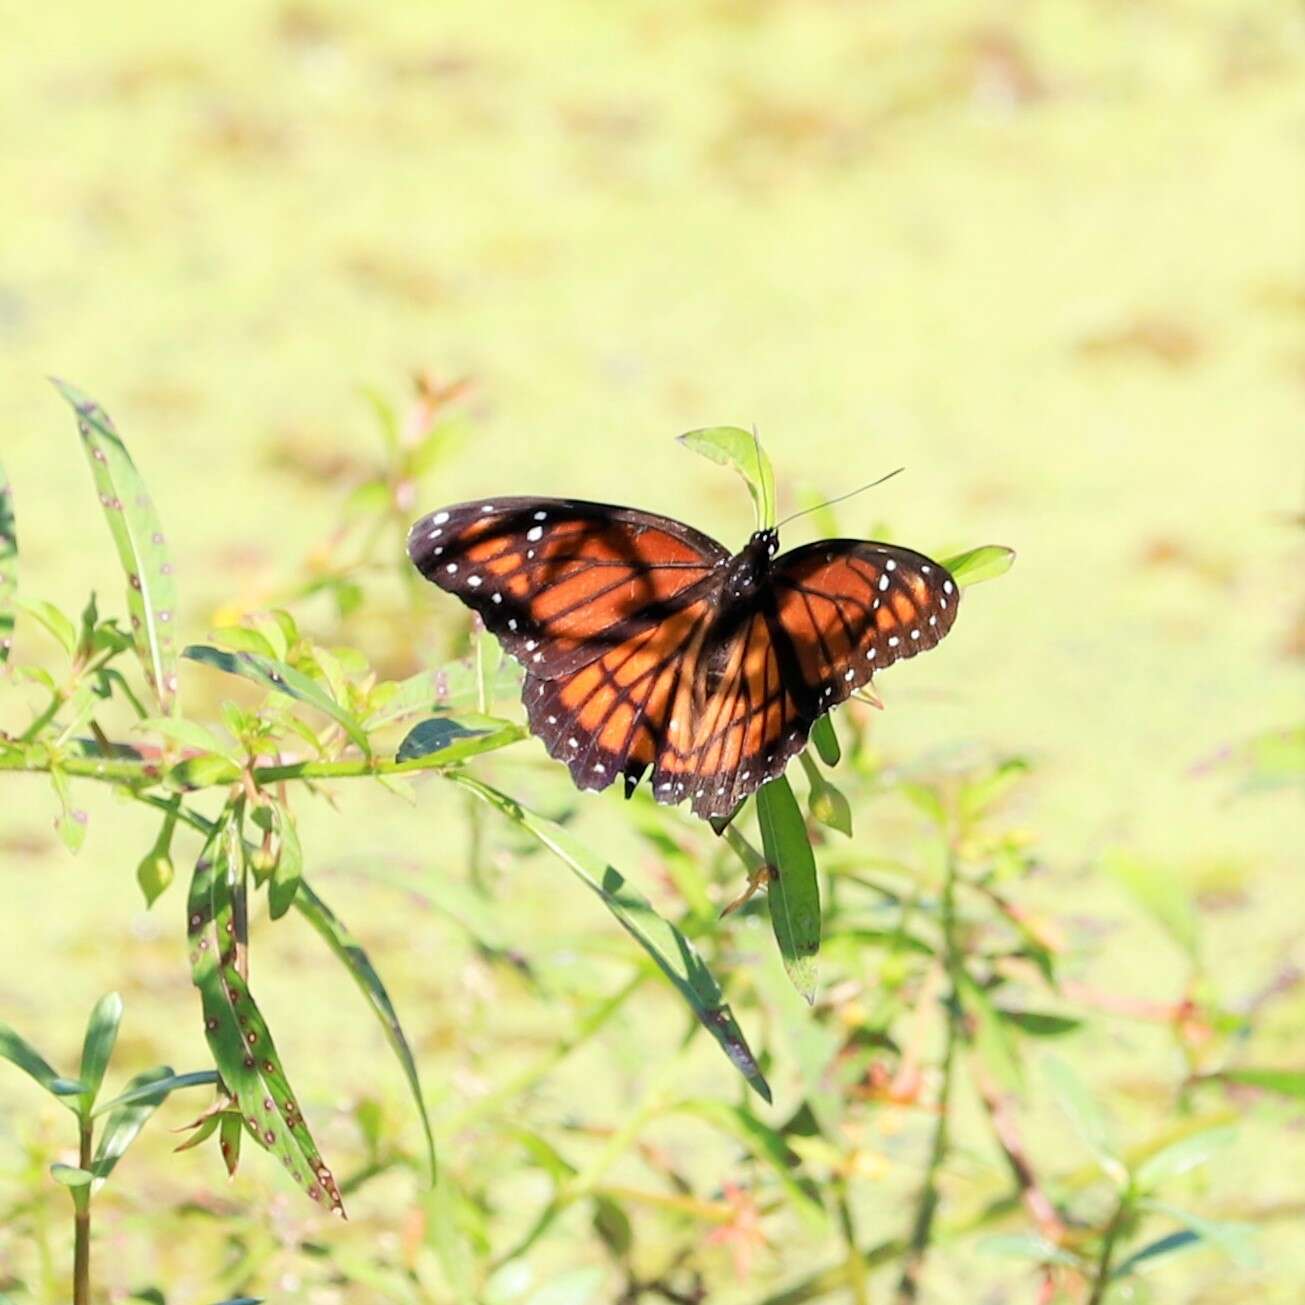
1049, 256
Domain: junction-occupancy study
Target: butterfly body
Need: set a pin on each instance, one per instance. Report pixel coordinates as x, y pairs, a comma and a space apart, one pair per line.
649, 647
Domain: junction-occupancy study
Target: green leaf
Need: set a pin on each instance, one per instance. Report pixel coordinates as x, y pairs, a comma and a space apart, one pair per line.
1085, 1115
97, 1046
1178, 1157
825, 738
237, 1033
1166, 1245
980, 564
794, 890
71, 1176
351, 954
442, 742
668, 948
138, 536
979, 795
154, 874
8, 565
71, 822
156, 1083
1041, 1024
447, 687
18, 1051
731, 446
827, 804
280, 678
1026, 1246
991, 1037
48, 615
1161, 893
287, 876
1288, 1082
1235, 1240
766, 1145
240, 638
145, 1092
190, 734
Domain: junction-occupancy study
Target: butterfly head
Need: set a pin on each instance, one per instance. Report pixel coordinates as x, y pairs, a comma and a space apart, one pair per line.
749, 567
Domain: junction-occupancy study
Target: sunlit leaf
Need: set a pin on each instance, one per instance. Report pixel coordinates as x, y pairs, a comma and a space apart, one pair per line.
1178, 1157
1026, 1246
794, 890
1235, 1240
1041, 1024
991, 1036
1085, 1115
731, 446
97, 1046
825, 739
237, 1034
280, 678
127, 1117
669, 949
350, 952
1288, 1082
138, 537
71, 822
190, 734
18, 1051
52, 619
147, 1088
980, 564
446, 688
287, 875
71, 1176
442, 742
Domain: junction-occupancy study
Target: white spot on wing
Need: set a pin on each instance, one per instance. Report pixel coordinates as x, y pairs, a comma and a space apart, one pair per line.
890, 565
475, 581
851, 674
535, 533
452, 568
541, 516
894, 641
440, 518
883, 583
948, 586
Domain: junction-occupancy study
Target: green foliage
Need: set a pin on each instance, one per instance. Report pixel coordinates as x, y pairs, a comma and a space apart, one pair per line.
731, 446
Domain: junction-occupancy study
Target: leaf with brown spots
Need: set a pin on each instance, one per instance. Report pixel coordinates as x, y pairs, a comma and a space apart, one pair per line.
140, 542
235, 1029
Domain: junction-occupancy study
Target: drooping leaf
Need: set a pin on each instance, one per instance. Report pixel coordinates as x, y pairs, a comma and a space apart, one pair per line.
825, 738
668, 948
731, 446
794, 890
97, 1046
138, 537
980, 564
8, 565
355, 959
237, 1033
280, 678
287, 875
18, 1051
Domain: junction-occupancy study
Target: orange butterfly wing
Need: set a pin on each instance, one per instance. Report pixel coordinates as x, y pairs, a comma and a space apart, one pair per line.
833, 613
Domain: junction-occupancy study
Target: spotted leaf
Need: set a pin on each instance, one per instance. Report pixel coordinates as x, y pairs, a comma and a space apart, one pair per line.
138, 537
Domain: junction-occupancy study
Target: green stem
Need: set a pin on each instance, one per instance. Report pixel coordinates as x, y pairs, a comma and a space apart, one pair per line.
1101, 1279
908, 1285
82, 1221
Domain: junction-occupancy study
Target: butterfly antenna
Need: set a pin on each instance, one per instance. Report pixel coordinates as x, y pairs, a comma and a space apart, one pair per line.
852, 493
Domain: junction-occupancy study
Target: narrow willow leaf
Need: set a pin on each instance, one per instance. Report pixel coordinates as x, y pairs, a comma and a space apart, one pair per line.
18, 1051
1289, 1082
992, 1039
446, 688
1166, 1245
1161, 893
980, 564
53, 620
71, 1176
794, 890
1025, 1246
237, 1033
190, 734
1041, 1024
146, 1092
97, 1046
240, 638
825, 738
441, 742
732, 446
1235, 1240
352, 955
8, 566
146, 1088
668, 948
287, 875
280, 678
766, 1145
138, 536
1178, 1157
1085, 1115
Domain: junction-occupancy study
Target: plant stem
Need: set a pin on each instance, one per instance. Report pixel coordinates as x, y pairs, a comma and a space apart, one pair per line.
908, 1285
1101, 1279
82, 1221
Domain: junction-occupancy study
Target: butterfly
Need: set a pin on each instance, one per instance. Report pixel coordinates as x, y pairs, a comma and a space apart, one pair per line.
648, 646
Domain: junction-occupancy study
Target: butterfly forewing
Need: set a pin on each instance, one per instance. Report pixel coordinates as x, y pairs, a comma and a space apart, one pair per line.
561, 581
